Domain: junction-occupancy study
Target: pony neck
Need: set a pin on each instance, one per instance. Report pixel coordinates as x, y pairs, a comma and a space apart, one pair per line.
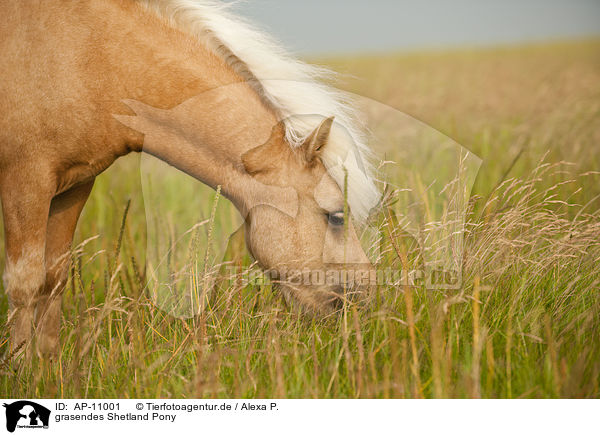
206, 136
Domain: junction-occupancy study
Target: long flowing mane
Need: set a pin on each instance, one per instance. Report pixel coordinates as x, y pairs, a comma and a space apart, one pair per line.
290, 86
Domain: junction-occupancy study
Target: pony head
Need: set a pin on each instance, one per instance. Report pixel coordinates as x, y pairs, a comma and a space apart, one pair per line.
314, 256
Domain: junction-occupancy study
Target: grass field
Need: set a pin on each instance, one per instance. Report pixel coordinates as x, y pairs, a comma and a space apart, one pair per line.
525, 324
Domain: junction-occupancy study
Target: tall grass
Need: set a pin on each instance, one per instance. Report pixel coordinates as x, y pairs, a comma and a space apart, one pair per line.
525, 323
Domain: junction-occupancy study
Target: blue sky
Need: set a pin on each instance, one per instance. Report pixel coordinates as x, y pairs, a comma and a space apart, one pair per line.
338, 26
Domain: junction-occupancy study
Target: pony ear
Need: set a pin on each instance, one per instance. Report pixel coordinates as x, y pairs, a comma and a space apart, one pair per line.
263, 158
315, 142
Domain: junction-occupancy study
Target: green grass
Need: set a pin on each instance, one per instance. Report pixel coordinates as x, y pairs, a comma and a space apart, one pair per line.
526, 322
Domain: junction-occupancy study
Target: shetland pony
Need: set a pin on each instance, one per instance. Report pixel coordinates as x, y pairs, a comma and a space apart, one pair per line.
77, 81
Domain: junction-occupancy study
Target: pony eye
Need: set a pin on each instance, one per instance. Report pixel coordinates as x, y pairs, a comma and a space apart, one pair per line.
336, 218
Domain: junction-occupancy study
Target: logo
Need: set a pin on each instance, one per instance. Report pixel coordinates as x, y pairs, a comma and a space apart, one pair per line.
408, 198
26, 415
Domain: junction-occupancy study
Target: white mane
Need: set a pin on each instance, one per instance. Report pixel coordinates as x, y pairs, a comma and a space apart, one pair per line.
290, 86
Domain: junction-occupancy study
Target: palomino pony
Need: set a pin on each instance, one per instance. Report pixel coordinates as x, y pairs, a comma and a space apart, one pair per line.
69, 68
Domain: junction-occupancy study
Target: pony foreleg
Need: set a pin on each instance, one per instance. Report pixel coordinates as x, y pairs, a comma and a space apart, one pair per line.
25, 207
64, 214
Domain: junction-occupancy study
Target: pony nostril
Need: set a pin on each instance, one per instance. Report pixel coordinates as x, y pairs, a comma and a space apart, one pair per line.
338, 290
337, 303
